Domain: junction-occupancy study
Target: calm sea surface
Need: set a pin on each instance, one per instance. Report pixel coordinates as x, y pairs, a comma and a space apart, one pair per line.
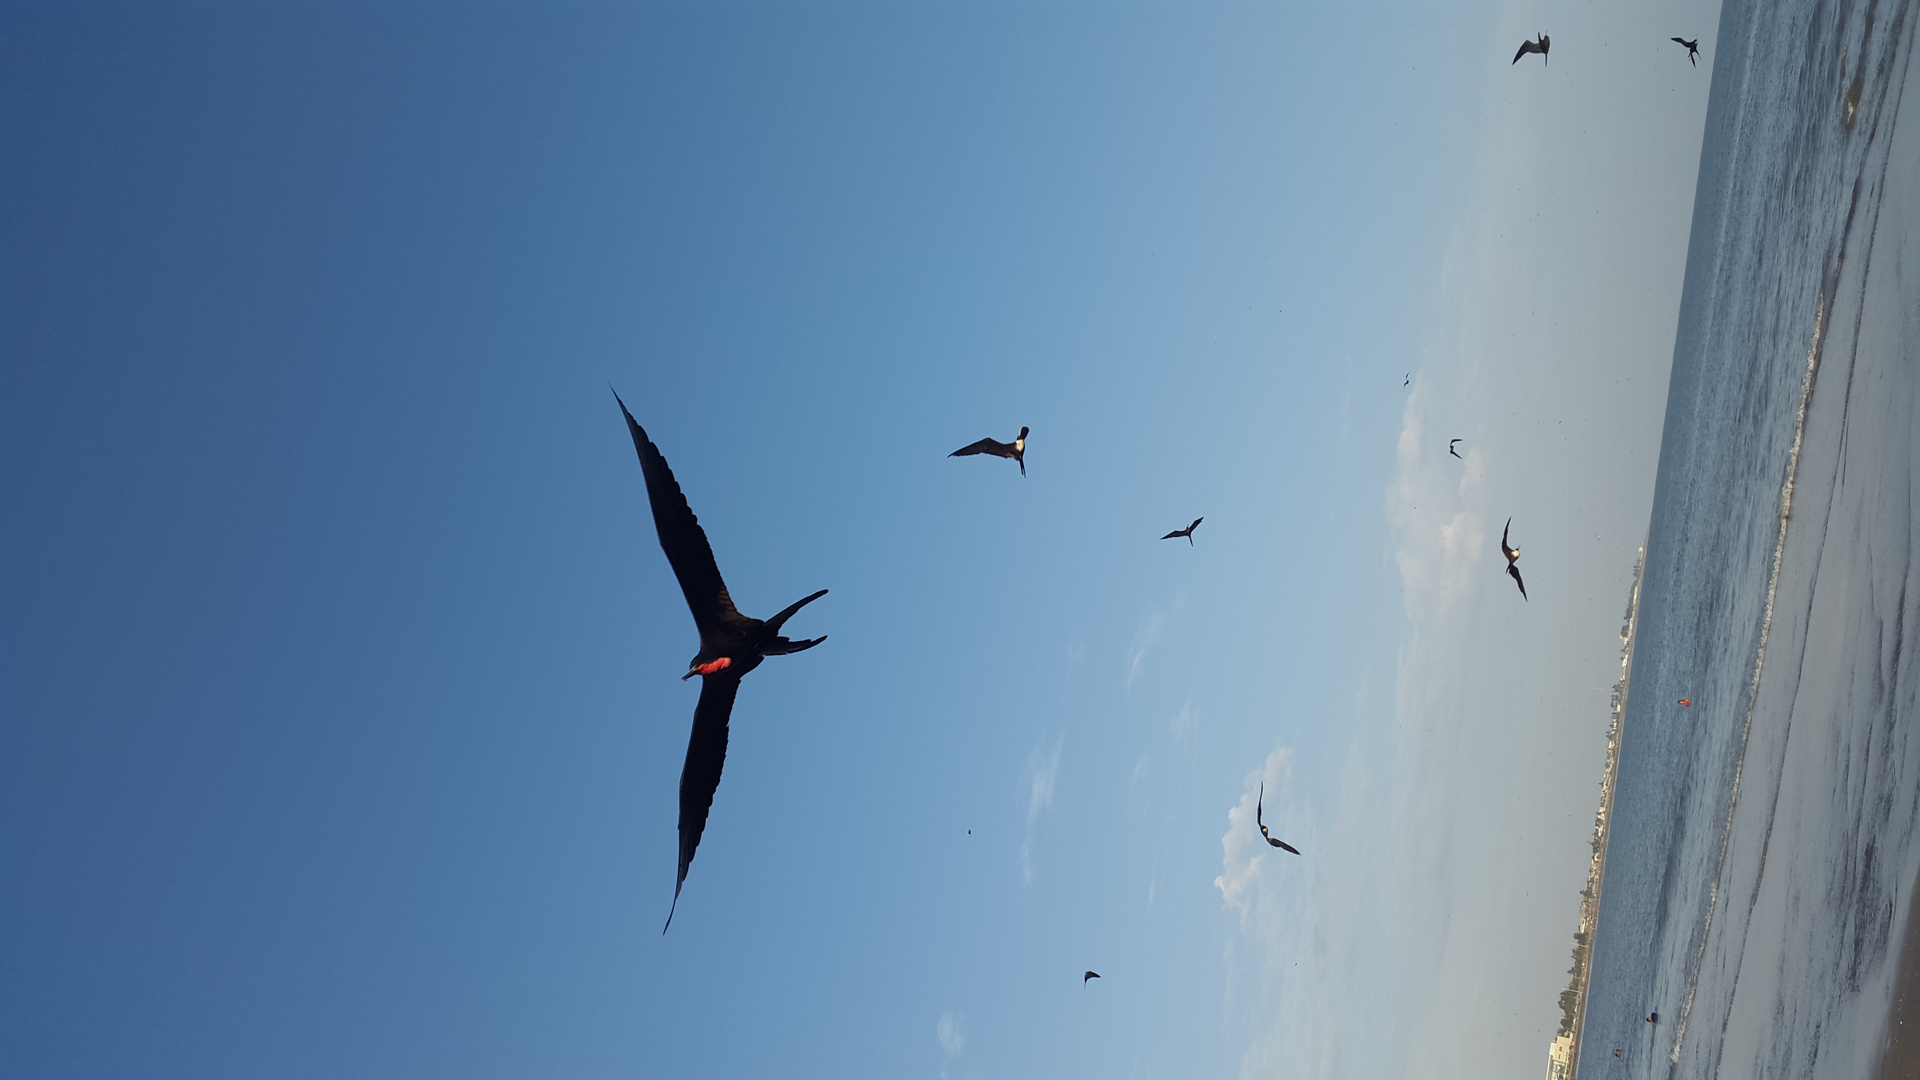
1764, 847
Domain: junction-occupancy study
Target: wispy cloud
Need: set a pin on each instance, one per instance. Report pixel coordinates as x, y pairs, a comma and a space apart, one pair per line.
1185, 728
1036, 783
952, 1041
1148, 636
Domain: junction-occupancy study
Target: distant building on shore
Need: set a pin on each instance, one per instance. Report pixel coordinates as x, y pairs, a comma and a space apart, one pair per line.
1560, 1059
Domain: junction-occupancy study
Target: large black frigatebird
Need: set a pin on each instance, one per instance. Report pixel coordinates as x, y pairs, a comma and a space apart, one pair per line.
1186, 532
1282, 844
731, 644
1017, 449
1540, 46
1513, 559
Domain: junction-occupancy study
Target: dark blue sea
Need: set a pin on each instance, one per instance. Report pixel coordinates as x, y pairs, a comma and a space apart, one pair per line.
1764, 850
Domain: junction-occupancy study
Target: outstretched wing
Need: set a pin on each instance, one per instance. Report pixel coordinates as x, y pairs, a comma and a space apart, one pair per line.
1525, 48
1283, 845
683, 540
1504, 549
1679, 41
985, 446
700, 777
1175, 534
1513, 571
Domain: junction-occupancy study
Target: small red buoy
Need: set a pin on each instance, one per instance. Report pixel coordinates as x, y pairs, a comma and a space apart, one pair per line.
1686, 701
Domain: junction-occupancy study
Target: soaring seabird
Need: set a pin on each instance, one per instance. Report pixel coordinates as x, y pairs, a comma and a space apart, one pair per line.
1693, 49
731, 644
1017, 449
1088, 975
1513, 560
1451, 450
1186, 532
1282, 844
1541, 46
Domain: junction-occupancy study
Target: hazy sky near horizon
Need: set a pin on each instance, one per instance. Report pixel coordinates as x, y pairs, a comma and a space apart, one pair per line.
340, 725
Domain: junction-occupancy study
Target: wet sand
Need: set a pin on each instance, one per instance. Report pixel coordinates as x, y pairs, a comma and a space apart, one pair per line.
1900, 1057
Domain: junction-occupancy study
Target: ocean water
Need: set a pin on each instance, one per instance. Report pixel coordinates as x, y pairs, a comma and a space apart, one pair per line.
1764, 849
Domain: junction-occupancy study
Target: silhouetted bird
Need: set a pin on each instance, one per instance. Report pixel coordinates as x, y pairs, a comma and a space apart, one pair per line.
731, 644
1451, 450
1541, 46
1693, 49
1186, 532
1017, 450
1282, 844
1088, 975
1513, 560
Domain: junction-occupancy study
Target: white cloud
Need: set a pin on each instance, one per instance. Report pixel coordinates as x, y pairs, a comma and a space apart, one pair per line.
1036, 782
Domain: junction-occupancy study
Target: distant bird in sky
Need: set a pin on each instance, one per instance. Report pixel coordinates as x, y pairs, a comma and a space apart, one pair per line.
1017, 449
1513, 560
1408, 381
1693, 49
1088, 975
1282, 844
731, 644
1186, 532
1541, 46
1451, 450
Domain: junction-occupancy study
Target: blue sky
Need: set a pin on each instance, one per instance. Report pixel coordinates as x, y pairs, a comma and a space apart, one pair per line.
342, 724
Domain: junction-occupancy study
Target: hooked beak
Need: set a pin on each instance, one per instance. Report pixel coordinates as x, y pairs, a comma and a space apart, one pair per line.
690, 674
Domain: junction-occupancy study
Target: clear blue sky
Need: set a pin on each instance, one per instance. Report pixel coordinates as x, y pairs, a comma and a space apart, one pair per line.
340, 725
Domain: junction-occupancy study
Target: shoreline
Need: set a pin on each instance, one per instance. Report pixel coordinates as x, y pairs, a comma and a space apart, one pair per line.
1574, 998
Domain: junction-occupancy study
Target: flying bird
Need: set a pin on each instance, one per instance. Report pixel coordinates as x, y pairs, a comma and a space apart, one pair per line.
1541, 46
1513, 560
1088, 975
1693, 49
1282, 844
1408, 381
731, 644
1186, 532
1017, 449
1451, 450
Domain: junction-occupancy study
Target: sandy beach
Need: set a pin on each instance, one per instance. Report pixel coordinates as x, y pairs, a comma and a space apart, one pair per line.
1830, 754
1761, 894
